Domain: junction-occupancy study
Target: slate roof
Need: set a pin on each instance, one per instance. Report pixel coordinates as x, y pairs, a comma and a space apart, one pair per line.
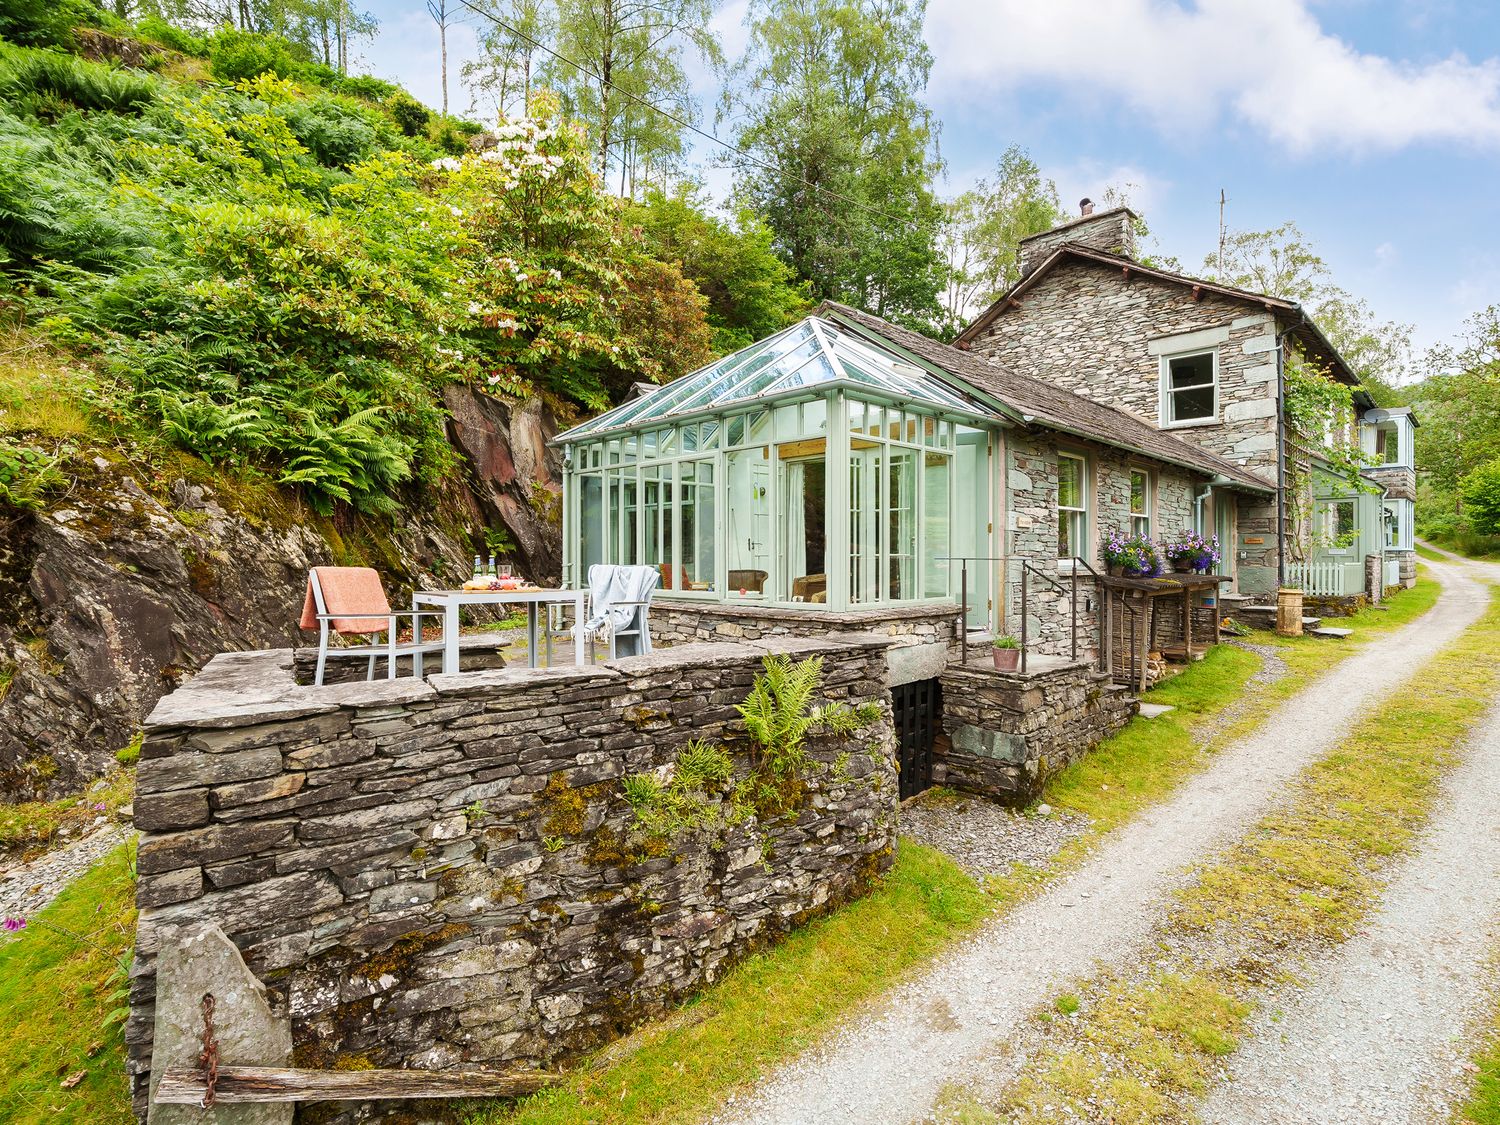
1304, 328
1034, 401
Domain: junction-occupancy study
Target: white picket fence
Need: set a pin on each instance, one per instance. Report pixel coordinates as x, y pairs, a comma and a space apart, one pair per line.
1326, 579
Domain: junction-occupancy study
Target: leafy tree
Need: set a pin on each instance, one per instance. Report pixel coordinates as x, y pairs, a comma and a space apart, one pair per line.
631, 51
982, 228
1481, 495
751, 293
842, 150
1459, 410
508, 50
1282, 263
550, 271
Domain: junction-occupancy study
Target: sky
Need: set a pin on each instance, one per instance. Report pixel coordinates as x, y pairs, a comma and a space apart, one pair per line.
1373, 124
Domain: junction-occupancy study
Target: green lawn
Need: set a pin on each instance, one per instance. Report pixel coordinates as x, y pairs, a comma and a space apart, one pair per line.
58, 988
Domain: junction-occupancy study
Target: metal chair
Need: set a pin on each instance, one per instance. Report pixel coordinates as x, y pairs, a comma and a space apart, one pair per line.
355, 596
609, 579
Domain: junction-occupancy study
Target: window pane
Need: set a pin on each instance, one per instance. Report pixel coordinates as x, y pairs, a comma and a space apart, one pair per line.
1344, 518
864, 501
1192, 404
936, 524
748, 523
1069, 482
698, 500
656, 523
1138, 498
804, 529
901, 523
1192, 371
1070, 534
590, 525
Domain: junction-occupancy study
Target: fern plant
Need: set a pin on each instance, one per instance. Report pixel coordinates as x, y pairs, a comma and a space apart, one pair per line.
778, 714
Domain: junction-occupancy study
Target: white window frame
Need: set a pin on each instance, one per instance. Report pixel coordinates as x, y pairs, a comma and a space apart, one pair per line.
1081, 513
1169, 420
1331, 526
1149, 494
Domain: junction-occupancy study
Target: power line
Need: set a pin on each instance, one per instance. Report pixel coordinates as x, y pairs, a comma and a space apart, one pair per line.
674, 118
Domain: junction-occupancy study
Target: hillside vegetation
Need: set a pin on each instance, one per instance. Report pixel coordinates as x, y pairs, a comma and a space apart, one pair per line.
274, 267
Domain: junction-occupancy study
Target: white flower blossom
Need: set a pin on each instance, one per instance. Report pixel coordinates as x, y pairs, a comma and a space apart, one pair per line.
446, 164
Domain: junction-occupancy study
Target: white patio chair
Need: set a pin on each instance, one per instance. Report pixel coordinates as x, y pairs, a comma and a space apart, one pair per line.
620, 606
350, 601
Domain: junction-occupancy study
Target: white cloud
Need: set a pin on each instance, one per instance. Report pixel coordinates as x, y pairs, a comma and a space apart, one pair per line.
1266, 63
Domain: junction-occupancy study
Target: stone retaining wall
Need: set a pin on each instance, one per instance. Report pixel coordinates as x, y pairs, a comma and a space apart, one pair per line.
922, 636
446, 873
1004, 734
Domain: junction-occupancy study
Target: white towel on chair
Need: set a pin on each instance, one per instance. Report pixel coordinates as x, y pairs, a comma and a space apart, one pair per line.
610, 585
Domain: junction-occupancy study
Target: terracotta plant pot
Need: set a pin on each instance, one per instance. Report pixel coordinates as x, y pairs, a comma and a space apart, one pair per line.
1006, 659
1116, 570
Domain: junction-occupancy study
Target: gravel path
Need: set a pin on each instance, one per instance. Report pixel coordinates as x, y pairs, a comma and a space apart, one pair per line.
985, 838
1378, 1033
27, 887
888, 1064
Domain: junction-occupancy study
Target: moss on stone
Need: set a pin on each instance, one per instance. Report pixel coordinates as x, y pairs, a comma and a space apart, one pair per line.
398, 958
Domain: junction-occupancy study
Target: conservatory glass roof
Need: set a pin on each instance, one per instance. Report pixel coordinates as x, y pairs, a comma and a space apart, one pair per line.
814, 351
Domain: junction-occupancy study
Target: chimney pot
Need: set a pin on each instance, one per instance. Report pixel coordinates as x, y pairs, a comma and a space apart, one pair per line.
1085, 207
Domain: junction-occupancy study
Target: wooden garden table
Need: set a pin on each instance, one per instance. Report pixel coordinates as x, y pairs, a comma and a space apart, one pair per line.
1177, 585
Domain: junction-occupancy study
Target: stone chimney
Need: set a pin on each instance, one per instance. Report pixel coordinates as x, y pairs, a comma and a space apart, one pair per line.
1112, 231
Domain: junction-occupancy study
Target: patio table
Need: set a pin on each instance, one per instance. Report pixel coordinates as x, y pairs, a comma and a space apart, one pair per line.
450, 601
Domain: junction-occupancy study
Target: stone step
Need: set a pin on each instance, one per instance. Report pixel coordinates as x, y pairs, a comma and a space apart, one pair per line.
1154, 710
1331, 631
1264, 616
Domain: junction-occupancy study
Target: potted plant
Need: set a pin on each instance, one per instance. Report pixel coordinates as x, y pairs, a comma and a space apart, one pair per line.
1192, 552
1007, 653
1131, 556
1181, 553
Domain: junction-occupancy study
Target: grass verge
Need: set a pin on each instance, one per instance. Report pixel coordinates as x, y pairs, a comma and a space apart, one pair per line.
1481, 1106
1142, 1048
28, 829
62, 1057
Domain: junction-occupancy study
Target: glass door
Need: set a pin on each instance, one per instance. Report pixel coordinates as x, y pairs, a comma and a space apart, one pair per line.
748, 508
804, 535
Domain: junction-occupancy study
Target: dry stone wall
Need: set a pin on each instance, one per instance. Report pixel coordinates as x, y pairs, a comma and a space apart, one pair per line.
446, 873
922, 637
1004, 734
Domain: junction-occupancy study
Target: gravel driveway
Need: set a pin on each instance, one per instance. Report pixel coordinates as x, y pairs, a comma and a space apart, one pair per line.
1378, 1033
887, 1064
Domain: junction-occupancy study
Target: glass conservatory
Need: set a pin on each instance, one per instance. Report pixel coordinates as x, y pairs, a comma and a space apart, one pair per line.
815, 468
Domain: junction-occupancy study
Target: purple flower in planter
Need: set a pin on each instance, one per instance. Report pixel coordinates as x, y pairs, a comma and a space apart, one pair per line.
14, 924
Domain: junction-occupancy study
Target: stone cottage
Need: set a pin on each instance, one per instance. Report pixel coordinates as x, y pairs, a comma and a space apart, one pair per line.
1204, 362
847, 475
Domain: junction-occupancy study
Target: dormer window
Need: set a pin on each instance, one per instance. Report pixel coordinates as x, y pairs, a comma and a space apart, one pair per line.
1190, 389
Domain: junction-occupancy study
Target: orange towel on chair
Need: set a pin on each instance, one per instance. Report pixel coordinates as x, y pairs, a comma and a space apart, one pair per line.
347, 589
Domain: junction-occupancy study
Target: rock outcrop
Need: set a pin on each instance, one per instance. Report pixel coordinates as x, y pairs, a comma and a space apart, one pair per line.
128, 583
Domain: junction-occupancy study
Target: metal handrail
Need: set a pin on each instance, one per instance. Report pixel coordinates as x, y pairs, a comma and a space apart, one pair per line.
1027, 567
